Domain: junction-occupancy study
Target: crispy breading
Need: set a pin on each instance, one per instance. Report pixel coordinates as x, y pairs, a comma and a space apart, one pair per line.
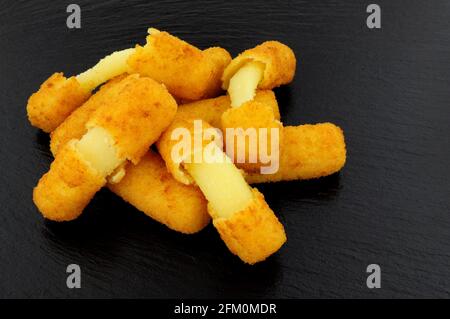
123, 128
188, 72
74, 126
68, 187
251, 116
211, 110
147, 103
245, 222
307, 151
151, 188
54, 101
279, 64
252, 234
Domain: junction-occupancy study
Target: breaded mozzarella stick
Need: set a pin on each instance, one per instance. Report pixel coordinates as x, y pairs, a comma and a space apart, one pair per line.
306, 152
118, 131
243, 219
188, 72
265, 66
74, 126
59, 96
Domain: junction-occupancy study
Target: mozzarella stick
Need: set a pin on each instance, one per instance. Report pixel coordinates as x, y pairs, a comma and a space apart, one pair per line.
245, 222
265, 66
188, 72
74, 126
59, 96
149, 187
139, 109
307, 152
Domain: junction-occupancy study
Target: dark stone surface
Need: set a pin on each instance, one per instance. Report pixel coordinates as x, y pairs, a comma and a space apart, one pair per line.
388, 89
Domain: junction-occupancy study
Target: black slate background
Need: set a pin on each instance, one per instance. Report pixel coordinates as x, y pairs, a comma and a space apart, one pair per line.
388, 89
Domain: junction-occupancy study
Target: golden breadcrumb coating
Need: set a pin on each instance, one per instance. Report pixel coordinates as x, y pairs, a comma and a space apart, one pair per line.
254, 116
219, 59
68, 187
74, 126
211, 110
151, 188
252, 234
142, 110
166, 143
54, 101
126, 124
307, 151
186, 71
278, 59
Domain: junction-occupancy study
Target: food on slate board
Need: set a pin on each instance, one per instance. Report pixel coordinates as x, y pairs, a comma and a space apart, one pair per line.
103, 139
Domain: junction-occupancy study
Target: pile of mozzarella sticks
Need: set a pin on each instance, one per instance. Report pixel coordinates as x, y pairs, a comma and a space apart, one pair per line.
103, 121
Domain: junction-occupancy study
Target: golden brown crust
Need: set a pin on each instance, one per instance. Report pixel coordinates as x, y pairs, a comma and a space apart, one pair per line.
252, 234
141, 109
208, 110
211, 110
219, 58
151, 188
251, 115
54, 101
74, 126
63, 192
307, 151
167, 143
279, 61
268, 98
187, 72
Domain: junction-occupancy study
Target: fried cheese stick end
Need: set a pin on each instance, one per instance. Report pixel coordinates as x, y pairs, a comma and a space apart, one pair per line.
265, 66
59, 96
188, 72
307, 152
74, 126
107, 144
149, 187
254, 233
68, 187
246, 224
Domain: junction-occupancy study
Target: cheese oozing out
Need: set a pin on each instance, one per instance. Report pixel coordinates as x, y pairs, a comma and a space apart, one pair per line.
221, 182
97, 147
243, 84
110, 66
